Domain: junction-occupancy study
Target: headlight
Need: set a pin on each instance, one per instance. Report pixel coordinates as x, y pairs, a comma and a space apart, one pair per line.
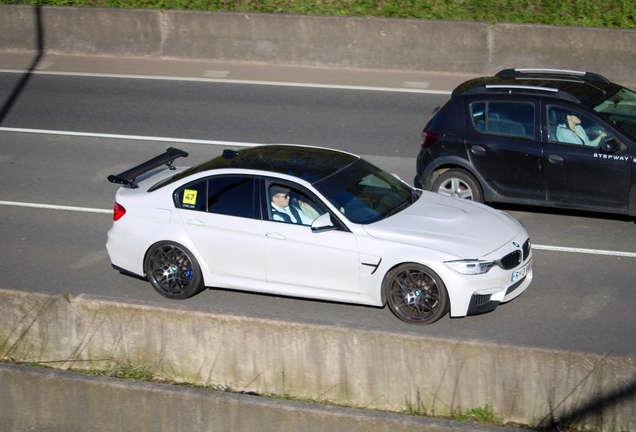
470, 267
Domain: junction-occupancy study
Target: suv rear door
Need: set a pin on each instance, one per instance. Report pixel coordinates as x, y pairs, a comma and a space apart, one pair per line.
504, 146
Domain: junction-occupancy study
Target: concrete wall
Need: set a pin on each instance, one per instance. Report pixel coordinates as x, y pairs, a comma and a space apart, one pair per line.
362, 368
609, 52
36, 399
375, 43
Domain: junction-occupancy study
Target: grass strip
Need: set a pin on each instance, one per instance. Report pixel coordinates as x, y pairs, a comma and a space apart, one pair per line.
591, 13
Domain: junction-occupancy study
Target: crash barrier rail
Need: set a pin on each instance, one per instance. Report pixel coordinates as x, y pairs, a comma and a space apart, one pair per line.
475, 48
366, 369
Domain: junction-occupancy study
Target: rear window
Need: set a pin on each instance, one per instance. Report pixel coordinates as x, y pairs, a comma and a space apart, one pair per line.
504, 118
192, 196
226, 195
232, 196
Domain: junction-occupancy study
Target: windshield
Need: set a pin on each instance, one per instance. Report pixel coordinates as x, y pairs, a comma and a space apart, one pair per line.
365, 194
620, 109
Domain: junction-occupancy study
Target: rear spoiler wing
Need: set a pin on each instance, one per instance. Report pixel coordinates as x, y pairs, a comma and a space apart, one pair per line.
129, 177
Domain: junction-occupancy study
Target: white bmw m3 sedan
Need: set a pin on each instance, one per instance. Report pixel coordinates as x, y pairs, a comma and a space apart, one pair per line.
315, 223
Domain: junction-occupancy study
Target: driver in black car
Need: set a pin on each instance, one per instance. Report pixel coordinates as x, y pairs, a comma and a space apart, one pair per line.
571, 131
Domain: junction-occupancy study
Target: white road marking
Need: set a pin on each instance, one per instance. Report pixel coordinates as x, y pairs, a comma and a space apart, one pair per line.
233, 81
56, 207
44, 65
584, 251
216, 74
130, 137
534, 246
417, 84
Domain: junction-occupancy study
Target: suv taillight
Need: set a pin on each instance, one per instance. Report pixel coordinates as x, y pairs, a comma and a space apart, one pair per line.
428, 139
119, 211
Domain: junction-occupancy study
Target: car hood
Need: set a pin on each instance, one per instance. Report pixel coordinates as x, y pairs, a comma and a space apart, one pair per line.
463, 228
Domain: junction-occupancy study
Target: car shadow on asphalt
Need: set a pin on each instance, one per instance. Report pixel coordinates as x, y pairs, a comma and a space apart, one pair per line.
562, 212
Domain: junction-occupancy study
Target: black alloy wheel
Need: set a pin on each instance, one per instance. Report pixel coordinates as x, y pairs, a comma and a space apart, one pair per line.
173, 271
416, 294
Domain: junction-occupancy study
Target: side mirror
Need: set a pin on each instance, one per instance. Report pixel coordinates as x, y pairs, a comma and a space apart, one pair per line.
322, 223
610, 146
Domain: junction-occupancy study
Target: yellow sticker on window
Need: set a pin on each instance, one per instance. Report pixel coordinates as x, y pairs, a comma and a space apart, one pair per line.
189, 196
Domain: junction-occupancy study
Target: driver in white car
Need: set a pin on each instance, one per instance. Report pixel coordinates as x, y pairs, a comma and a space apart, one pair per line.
283, 211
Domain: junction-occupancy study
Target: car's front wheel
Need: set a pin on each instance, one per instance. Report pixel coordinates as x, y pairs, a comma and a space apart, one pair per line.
173, 271
458, 183
416, 294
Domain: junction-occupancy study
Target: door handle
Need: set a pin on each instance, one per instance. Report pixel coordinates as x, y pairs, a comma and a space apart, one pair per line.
478, 150
275, 236
556, 159
195, 222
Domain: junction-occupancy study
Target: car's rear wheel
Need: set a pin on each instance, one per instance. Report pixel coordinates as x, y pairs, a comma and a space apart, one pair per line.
173, 271
416, 294
458, 183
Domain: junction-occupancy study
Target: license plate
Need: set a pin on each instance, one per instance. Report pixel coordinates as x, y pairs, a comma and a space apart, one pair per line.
521, 273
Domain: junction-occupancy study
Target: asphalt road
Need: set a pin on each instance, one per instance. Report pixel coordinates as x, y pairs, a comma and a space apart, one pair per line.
578, 301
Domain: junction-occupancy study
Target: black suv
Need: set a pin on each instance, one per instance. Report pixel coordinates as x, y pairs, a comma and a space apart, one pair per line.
535, 136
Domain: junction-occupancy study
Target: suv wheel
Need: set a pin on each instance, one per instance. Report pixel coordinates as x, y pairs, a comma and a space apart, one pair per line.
458, 183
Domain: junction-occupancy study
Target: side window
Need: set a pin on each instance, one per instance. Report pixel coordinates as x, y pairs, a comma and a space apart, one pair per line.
478, 112
504, 118
571, 127
232, 196
192, 196
291, 206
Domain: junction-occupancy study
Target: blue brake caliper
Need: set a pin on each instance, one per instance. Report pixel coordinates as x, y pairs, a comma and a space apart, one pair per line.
188, 273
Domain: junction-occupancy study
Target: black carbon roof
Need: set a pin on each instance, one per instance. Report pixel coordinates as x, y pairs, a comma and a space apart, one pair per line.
308, 163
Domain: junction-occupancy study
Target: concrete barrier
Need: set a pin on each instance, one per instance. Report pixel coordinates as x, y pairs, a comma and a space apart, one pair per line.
36, 399
610, 52
328, 41
367, 369
81, 30
324, 41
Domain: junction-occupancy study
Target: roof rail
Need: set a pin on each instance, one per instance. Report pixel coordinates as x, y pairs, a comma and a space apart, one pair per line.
588, 77
129, 177
481, 89
520, 87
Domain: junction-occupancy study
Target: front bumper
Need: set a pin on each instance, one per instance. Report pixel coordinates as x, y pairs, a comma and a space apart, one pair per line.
507, 280
482, 303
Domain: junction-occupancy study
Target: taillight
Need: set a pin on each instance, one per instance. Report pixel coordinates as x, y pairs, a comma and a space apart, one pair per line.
119, 211
428, 139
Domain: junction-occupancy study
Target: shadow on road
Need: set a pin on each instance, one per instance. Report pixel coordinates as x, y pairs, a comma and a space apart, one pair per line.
597, 413
6, 107
562, 212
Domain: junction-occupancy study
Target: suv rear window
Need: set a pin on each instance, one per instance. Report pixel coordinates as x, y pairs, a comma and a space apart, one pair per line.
504, 118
